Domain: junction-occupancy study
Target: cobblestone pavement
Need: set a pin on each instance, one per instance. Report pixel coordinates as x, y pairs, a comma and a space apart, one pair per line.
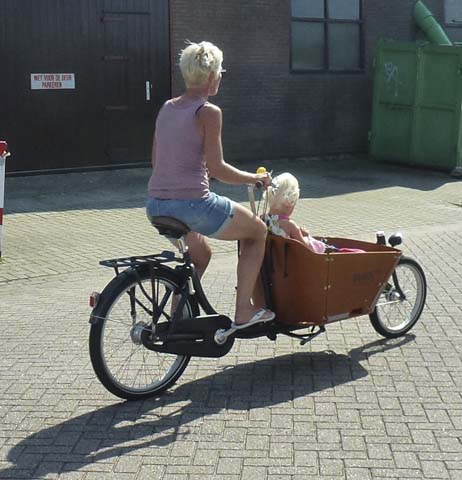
351, 405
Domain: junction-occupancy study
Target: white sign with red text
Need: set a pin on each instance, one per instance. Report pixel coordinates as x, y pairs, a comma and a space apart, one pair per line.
52, 81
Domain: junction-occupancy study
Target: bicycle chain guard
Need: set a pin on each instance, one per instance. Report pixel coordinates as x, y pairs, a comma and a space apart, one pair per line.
191, 336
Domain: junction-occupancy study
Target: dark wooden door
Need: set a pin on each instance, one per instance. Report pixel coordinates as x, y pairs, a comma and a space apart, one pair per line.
112, 47
135, 75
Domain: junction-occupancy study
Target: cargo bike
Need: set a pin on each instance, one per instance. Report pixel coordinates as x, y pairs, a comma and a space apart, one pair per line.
154, 315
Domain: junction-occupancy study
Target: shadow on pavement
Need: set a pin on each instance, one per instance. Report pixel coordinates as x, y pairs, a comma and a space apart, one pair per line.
126, 188
104, 433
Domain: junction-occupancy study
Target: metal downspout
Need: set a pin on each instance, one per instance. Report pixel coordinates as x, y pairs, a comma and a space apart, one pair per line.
427, 22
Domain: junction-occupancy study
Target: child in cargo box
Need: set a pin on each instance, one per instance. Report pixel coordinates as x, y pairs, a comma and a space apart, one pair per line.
282, 198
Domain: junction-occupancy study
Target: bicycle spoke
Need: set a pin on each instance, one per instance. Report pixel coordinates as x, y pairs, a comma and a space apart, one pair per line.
127, 324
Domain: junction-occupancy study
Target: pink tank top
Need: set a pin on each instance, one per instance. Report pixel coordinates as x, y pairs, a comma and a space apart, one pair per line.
180, 172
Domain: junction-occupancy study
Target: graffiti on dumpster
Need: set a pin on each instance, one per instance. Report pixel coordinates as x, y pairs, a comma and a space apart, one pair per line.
391, 78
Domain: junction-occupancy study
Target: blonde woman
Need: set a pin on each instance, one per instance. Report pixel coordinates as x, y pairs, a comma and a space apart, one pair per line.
187, 143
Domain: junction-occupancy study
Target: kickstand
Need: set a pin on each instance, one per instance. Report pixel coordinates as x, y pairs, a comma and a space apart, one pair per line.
309, 336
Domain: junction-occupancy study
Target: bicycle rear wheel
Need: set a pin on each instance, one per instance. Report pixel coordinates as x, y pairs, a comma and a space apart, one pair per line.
121, 362
402, 301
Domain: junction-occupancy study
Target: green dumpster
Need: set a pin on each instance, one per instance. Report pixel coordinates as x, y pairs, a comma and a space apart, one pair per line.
417, 102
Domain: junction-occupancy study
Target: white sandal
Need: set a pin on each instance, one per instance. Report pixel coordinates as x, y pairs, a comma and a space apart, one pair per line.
257, 318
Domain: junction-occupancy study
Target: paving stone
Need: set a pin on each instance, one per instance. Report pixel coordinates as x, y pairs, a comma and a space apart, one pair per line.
229, 465
435, 469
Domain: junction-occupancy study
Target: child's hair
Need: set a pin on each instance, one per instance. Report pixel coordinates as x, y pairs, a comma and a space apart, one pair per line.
198, 60
285, 191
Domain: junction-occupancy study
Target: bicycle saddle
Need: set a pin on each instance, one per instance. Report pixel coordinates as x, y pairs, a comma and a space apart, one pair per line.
170, 227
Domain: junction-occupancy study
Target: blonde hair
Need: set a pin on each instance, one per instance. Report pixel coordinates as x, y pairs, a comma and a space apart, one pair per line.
198, 60
285, 191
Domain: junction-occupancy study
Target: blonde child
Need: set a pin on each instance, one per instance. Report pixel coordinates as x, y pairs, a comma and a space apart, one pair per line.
282, 198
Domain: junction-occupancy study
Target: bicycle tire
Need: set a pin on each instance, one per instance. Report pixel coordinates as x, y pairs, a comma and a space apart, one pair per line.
408, 310
111, 314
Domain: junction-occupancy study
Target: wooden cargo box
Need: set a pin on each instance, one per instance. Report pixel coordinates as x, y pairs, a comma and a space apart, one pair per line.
313, 289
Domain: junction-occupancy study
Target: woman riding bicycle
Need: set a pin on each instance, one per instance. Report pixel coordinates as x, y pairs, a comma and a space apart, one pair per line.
187, 148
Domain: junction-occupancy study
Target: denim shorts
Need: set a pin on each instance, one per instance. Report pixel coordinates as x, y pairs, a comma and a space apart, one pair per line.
208, 216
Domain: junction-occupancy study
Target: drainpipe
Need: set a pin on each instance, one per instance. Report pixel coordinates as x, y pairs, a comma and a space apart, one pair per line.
432, 29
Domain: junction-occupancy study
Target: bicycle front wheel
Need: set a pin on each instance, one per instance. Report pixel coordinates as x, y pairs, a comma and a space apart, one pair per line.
121, 362
402, 301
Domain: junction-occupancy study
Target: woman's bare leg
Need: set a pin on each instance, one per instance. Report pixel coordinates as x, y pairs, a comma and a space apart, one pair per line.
201, 254
199, 250
258, 296
251, 232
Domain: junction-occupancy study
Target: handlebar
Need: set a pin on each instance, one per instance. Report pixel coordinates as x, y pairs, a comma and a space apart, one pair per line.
259, 185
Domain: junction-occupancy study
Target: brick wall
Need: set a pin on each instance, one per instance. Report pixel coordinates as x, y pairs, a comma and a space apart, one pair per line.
269, 111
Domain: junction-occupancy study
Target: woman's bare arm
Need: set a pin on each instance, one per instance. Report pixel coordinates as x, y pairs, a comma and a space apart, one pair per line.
211, 119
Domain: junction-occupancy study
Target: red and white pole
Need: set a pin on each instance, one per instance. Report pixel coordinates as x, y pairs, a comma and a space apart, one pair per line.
3, 154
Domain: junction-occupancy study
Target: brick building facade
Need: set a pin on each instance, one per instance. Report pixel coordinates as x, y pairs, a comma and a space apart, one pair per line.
270, 109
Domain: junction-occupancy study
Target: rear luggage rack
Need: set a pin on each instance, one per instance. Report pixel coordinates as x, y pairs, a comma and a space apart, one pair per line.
164, 257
